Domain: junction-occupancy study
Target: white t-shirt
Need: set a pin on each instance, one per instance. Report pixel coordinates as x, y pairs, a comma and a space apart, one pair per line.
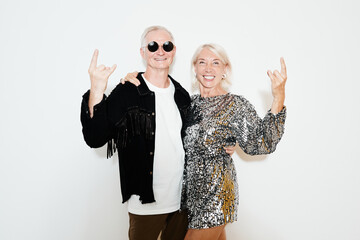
168, 156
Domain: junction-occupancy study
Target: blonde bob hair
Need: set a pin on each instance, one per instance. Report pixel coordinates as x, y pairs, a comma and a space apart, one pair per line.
220, 52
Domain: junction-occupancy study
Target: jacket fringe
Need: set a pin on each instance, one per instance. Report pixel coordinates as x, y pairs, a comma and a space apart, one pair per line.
133, 124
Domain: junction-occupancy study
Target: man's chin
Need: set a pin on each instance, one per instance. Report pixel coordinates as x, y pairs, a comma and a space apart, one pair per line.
162, 66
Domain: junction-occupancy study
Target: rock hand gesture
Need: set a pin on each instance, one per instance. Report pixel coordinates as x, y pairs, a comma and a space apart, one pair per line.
99, 76
278, 81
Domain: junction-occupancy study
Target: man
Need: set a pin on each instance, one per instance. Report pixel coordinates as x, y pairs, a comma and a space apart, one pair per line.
144, 123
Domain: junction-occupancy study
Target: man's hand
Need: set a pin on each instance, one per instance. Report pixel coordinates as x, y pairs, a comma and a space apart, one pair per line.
230, 149
99, 76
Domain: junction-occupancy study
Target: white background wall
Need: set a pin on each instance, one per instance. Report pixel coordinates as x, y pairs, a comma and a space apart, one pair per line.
52, 186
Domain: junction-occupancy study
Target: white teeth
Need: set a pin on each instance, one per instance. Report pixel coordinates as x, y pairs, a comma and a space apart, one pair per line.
209, 77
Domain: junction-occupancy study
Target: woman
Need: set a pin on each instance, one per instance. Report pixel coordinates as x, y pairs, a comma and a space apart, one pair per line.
216, 119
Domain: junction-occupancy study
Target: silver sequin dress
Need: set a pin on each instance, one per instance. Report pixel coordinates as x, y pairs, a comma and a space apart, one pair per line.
210, 191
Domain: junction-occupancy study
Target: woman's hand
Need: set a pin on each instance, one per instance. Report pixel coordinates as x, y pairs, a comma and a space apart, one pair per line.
278, 81
131, 77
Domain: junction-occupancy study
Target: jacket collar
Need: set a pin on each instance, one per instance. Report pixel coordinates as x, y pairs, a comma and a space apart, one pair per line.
144, 89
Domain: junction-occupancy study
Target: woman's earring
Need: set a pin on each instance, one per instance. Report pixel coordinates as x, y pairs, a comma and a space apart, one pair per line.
223, 76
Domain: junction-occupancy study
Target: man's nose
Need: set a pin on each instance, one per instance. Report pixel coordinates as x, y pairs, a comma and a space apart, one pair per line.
160, 51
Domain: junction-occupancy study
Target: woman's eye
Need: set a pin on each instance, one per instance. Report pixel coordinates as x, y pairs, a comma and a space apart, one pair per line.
216, 63
201, 62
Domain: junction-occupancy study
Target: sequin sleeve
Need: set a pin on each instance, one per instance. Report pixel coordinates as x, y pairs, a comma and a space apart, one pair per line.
255, 135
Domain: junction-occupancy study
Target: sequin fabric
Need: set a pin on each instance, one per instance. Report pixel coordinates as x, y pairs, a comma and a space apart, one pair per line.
210, 191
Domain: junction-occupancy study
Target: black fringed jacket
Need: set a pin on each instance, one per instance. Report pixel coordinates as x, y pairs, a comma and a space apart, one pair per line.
126, 121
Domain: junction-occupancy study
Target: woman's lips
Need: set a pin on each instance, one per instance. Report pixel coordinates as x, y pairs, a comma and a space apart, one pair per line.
209, 77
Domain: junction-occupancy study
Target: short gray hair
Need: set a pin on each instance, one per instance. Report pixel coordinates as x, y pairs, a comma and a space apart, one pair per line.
221, 53
153, 28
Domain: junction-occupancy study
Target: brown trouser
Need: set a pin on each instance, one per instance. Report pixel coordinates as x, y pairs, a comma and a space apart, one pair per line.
173, 226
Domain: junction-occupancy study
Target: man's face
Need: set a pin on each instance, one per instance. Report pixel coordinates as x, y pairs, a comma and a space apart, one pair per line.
159, 59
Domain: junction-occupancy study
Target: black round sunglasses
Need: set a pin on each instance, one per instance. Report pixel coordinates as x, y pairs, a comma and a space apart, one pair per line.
154, 46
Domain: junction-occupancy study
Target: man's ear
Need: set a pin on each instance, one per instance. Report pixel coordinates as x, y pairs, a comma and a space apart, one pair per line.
142, 53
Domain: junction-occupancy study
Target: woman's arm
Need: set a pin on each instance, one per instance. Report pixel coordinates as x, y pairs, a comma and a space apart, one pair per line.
255, 135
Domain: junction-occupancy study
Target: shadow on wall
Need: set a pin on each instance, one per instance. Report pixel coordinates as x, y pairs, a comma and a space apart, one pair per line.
102, 153
244, 228
267, 98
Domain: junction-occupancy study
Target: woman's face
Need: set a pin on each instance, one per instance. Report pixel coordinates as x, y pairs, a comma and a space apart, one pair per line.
209, 70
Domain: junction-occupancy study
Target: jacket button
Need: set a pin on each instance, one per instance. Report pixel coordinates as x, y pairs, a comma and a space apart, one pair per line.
150, 173
153, 113
151, 153
152, 133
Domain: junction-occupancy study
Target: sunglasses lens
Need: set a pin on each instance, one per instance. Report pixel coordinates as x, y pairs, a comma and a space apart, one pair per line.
153, 46
168, 46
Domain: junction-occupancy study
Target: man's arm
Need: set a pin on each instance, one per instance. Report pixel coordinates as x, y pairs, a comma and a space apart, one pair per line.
97, 129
